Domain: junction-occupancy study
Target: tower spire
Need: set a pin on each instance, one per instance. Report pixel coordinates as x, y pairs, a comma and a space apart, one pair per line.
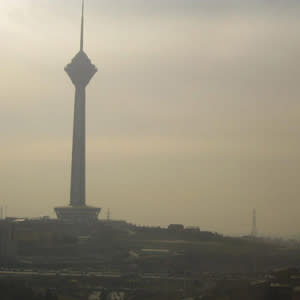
82, 27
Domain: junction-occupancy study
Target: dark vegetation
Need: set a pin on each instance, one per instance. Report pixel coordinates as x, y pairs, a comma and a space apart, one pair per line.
17, 290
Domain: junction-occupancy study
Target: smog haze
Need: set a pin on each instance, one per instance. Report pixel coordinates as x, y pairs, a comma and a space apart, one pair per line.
192, 118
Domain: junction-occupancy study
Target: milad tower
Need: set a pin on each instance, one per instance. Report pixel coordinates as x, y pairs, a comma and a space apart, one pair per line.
80, 71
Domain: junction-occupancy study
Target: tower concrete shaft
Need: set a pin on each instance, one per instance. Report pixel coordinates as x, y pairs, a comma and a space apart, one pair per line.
77, 197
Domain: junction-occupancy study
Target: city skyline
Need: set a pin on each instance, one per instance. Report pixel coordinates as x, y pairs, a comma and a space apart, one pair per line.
195, 107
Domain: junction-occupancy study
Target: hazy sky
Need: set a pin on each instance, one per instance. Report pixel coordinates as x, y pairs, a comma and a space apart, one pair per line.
193, 117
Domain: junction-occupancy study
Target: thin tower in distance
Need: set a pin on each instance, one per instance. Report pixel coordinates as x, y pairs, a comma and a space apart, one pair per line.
254, 227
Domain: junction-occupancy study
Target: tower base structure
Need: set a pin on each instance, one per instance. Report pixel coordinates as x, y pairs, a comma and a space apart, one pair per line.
77, 214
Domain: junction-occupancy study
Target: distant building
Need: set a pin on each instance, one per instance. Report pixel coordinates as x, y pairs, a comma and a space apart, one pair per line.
8, 242
192, 229
176, 227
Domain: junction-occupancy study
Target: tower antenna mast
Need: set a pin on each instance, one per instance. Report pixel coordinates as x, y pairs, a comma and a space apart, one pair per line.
82, 27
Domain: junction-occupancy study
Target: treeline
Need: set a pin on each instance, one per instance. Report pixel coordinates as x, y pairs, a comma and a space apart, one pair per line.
16, 290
